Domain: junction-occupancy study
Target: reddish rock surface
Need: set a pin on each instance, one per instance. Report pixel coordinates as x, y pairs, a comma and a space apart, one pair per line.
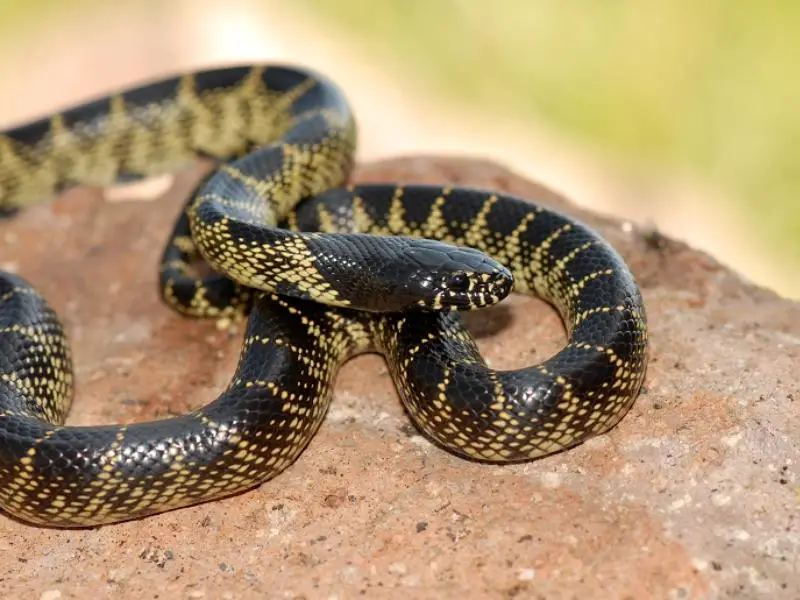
694, 495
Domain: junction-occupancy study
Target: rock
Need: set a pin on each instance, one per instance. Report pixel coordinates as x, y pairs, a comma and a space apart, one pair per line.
694, 495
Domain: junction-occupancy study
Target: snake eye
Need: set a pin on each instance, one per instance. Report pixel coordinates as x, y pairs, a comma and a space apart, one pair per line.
458, 283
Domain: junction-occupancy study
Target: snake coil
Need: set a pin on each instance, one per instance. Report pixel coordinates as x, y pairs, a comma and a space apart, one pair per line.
325, 271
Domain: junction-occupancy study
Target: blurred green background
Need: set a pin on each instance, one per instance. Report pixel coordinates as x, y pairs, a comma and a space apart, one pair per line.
708, 87
705, 88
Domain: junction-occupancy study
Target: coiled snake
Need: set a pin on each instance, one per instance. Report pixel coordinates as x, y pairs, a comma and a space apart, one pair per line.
347, 270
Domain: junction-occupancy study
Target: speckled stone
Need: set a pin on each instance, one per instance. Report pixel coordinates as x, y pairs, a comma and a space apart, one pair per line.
694, 495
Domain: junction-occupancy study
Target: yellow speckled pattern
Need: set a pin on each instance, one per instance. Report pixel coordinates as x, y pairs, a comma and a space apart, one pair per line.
325, 271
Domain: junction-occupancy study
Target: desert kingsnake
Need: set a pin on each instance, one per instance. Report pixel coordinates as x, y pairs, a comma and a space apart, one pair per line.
283, 135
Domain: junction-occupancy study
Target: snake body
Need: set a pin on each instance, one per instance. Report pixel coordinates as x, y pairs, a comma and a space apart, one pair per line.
325, 271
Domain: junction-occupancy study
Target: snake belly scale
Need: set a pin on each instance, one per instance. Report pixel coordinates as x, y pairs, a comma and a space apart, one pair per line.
324, 271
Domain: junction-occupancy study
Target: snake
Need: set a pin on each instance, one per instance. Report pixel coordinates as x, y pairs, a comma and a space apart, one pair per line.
320, 270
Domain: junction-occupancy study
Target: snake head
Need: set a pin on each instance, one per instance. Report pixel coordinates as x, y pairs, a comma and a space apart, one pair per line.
432, 275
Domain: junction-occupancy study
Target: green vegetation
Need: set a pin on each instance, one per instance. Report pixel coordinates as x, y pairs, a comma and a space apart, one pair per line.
19, 15
709, 87
706, 87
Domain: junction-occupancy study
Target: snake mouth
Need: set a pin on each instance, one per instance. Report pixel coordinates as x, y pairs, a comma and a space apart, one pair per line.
462, 291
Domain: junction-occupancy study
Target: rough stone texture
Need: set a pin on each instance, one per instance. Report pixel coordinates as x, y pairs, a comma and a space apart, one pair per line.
694, 495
